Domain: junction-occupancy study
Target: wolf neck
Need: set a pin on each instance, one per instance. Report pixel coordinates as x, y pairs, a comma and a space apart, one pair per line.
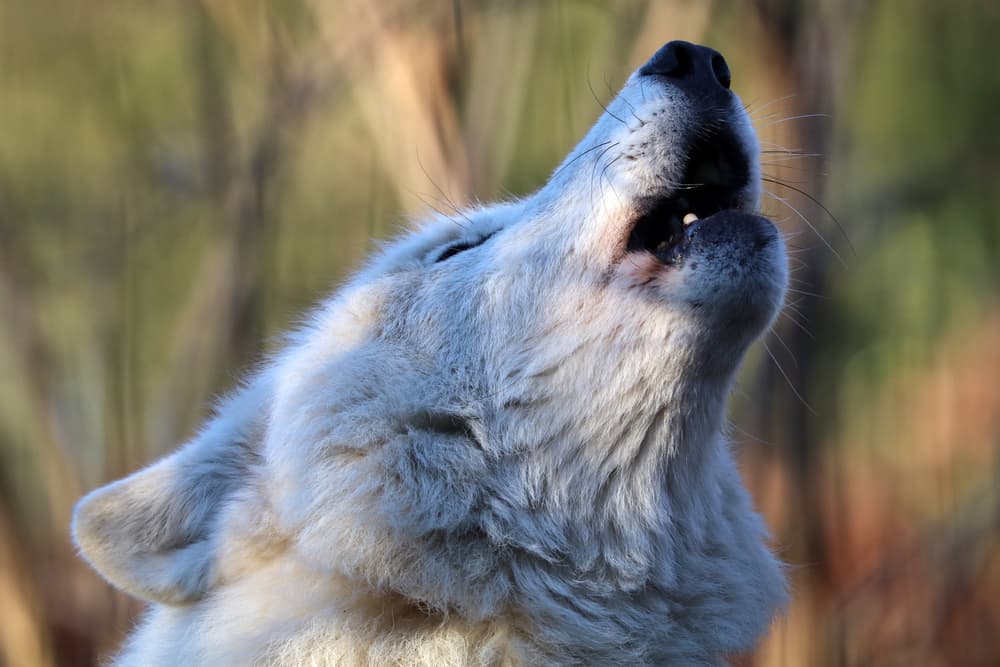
632, 463
654, 518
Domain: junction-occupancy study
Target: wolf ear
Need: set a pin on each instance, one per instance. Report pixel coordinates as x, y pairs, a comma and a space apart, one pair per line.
155, 534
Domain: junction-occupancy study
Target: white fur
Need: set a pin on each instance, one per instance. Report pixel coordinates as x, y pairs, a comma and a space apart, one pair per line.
513, 456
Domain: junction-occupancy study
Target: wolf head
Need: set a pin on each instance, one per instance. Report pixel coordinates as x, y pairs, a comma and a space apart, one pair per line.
504, 401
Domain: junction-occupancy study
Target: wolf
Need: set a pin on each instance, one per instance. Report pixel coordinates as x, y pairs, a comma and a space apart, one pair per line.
501, 443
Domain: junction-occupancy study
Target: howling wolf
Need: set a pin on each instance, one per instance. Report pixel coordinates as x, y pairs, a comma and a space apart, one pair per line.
501, 442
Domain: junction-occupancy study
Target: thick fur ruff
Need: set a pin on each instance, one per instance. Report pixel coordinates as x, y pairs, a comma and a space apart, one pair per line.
500, 444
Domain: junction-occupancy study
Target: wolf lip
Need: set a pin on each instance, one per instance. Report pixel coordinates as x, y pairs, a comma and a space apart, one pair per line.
717, 170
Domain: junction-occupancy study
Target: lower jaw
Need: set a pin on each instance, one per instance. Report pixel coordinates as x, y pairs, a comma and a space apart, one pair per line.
714, 226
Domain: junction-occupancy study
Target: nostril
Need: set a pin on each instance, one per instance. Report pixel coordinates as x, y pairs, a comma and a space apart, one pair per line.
669, 61
695, 69
721, 70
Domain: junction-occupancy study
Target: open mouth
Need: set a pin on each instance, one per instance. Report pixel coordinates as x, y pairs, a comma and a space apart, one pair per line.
717, 171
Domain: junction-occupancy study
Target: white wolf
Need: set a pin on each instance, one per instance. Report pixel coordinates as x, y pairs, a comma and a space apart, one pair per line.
500, 444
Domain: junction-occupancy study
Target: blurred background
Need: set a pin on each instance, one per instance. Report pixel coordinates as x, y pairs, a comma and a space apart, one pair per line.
180, 180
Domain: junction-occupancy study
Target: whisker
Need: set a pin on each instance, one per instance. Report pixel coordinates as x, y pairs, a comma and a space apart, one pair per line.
437, 187
766, 117
812, 294
430, 203
799, 281
788, 380
801, 327
792, 311
780, 164
607, 84
732, 425
790, 118
597, 163
774, 332
820, 204
810, 225
747, 107
599, 102
788, 154
800, 250
773, 179
604, 173
582, 153
793, 305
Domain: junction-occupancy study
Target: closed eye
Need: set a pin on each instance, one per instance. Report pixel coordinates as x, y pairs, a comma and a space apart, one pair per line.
462, 246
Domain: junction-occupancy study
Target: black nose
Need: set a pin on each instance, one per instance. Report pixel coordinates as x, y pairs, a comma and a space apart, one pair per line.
696, 69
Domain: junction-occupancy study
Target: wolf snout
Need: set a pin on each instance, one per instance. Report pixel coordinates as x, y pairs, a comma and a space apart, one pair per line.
698, 70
